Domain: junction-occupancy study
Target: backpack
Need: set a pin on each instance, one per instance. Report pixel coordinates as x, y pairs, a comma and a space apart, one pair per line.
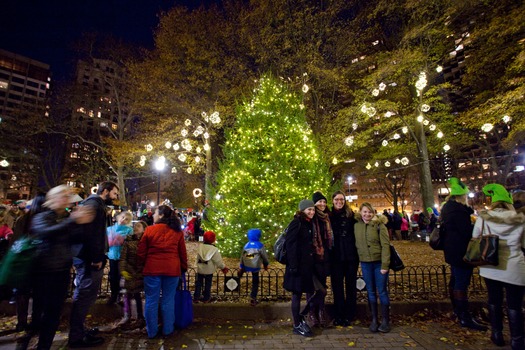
279, 248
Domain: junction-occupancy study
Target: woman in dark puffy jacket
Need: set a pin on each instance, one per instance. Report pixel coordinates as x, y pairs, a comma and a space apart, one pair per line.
345, 261
298, 276
457, 227
56, 229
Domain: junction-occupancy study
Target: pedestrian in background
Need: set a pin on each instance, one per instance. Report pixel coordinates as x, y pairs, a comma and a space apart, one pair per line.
131, 271
457, 227
345, 261
299, 272
89, 261
253, 257
57, 229
373, 247
117, 233
162, 251
509, 275
209, 259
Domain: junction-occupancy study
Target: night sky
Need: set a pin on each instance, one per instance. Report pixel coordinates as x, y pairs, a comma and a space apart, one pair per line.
45, 30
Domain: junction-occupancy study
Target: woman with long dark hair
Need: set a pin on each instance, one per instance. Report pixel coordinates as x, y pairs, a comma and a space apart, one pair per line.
457, 227
162, 251
345, 261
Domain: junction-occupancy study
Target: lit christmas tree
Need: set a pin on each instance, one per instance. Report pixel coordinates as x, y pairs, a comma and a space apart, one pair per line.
271, 162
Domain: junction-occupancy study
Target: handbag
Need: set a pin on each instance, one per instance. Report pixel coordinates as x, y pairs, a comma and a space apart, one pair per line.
17, 265
483, 250
183, 306
436, 241
396, 264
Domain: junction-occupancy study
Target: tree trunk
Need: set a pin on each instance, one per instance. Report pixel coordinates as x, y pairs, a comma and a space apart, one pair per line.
122, 187
208, 174
425, 179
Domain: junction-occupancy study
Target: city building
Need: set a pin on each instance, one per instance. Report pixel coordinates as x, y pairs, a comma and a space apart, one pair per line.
24, 92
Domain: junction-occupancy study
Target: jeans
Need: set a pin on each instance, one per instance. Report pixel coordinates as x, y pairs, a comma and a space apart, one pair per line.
153, 286
255, 285
206, 281
344, 275
50, 292
514, 294
87, 283
374, 279
460, 277
114, 278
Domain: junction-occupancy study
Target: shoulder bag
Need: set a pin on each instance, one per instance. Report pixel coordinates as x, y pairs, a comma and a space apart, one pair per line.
436, 241
483, 250
183, 305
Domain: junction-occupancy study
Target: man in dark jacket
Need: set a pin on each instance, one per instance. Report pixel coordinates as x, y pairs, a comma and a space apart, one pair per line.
89, 261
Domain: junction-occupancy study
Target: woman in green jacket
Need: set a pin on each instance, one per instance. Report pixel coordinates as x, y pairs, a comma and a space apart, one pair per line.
373, 247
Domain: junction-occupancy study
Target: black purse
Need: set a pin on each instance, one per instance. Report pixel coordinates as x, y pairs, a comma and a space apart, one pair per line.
396, 264
483, 250
436, 240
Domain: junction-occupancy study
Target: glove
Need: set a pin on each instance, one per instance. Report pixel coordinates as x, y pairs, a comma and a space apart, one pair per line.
126, 275
225, 270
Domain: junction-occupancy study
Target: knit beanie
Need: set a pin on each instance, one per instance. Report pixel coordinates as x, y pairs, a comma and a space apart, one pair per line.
429, 210
457, 188
317, 196
498, 193
209, 237
306, 203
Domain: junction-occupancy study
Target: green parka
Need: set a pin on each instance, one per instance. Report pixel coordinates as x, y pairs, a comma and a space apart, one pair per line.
372, 240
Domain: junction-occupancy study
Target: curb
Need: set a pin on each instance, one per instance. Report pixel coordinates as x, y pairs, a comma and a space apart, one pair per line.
269, 311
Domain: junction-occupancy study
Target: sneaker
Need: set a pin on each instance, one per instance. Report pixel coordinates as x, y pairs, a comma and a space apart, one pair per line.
303, 329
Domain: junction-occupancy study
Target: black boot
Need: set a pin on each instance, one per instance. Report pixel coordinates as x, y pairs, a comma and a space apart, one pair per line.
516, 329
464, 316
385, 322
496, 324
373, 309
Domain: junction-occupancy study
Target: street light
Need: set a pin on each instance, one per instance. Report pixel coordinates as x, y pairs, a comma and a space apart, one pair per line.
160, 164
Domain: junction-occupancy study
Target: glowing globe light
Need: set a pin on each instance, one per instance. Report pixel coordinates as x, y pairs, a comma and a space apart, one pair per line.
349, 141
446, 148
173, 170
182, 157
305, 88
167, 144
187, 122
404, 129
405, 161
432, 127
439, 69
425, 108
149, 147
176, 147
420, 118
382, 86
184, 132
375, 92
487, 127
368, 166
387, 163
440, 135
384, 143
160, 163
506, 118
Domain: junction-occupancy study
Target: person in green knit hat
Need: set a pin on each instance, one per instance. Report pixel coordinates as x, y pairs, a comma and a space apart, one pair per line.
455, 216
509, 275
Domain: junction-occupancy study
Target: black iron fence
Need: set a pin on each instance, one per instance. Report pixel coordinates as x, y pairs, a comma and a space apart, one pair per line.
412, 283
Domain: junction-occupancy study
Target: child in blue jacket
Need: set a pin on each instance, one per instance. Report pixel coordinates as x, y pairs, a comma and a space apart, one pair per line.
116, 236
254, 257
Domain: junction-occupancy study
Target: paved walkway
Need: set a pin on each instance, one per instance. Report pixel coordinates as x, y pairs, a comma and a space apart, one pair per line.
278, 335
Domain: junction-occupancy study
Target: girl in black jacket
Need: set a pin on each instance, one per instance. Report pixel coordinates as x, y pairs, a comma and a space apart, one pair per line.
298, 276
345, 261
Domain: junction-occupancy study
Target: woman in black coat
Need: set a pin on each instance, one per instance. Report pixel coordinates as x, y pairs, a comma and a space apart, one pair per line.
457, 226
345, 261
298, 277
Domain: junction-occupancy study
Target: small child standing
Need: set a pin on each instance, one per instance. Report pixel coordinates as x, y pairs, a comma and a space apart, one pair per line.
116, 236
209, 259
252, 258
131, 270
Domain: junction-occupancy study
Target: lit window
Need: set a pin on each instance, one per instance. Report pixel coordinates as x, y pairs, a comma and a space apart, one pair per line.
3, 84
74, 155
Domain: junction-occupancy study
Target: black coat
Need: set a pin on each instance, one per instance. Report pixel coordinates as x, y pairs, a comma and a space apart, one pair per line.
458, 231
344, 237
94, 241
57, 234
298, 276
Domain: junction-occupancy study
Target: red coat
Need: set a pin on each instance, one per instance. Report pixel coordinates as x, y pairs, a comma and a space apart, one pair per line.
162, 251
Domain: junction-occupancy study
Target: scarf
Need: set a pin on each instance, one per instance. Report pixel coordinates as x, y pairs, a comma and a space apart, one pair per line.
322, 220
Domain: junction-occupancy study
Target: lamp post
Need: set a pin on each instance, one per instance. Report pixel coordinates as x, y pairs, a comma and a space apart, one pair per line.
160, 163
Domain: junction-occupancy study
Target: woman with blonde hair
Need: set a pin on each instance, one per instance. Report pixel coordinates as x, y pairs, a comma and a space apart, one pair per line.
509, 275
373, 247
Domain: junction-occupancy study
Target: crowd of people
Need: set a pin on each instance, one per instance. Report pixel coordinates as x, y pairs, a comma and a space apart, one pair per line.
324, 241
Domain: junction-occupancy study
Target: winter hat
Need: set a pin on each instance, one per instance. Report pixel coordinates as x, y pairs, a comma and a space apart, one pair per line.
317, 196
254, 234
498, 193
209, 237
457, 188
429, 210
306, 203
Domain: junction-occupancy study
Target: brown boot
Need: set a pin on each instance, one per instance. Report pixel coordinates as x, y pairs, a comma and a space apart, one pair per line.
324, 320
